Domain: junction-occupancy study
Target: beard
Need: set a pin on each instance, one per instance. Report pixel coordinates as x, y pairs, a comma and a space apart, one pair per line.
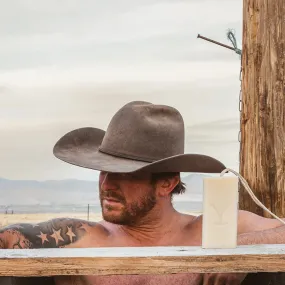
129, 213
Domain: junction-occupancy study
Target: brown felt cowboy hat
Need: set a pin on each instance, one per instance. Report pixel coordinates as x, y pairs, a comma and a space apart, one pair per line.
140, 137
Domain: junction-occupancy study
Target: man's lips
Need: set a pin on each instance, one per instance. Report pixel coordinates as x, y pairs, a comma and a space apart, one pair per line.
111, 201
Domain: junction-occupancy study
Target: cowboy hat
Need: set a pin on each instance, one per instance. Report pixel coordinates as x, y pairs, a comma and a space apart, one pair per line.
140, 137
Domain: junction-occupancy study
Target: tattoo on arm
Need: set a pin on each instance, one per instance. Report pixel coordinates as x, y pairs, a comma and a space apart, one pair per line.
2, 243
55, 233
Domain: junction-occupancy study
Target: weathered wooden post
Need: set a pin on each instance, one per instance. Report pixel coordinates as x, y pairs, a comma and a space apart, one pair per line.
262, 157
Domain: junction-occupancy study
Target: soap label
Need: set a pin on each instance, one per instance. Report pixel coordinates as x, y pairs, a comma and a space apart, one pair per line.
220, 212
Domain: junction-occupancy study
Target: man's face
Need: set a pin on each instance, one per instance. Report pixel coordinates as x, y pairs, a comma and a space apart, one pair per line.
126, 198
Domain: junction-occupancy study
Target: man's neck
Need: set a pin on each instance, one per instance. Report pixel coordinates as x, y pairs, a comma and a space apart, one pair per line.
154, 227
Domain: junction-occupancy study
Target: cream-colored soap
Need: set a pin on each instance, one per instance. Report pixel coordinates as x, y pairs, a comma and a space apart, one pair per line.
220, 212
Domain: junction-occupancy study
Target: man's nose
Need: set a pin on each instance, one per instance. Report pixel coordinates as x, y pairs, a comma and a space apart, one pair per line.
109, 182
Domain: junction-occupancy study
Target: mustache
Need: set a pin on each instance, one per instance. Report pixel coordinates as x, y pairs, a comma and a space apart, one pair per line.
112, 195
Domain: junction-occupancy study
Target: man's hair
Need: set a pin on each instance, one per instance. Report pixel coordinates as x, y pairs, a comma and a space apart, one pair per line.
178, 189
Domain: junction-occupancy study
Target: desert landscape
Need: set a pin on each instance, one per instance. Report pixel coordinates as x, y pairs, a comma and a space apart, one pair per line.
10, 219
31, 201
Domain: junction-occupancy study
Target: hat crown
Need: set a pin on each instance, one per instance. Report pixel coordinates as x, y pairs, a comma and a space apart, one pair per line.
144, 131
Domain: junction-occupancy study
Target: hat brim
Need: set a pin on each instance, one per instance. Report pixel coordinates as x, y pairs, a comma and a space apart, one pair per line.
80, 147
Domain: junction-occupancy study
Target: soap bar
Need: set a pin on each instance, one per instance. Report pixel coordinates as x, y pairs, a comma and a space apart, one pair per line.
220, 212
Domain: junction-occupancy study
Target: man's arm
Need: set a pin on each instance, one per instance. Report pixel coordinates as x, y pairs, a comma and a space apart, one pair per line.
54, 233
252, 229
268, 236
250, 222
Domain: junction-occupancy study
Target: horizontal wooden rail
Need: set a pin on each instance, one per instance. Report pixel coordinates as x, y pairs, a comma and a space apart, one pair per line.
140, 260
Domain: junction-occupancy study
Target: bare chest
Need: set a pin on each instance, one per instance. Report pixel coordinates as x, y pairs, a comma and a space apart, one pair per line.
170, 279
181, 239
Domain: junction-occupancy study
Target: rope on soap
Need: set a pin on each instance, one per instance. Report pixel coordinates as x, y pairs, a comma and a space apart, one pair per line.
250, 192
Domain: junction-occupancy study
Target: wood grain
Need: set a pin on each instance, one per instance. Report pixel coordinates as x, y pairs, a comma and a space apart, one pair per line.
262, 157
143, 260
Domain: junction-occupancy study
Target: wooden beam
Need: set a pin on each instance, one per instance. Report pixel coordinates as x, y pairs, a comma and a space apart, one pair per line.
140, 260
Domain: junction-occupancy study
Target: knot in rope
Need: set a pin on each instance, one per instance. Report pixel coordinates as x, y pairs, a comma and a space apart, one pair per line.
232, 38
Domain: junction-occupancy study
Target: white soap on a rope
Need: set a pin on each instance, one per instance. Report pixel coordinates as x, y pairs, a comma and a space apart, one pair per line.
220, 212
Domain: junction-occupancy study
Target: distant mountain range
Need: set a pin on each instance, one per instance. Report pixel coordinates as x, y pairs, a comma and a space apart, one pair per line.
50, 192
73, 192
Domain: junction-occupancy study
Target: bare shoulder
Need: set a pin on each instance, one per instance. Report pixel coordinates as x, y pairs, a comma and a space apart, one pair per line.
193, 221
251, 222
247, 222
53, 233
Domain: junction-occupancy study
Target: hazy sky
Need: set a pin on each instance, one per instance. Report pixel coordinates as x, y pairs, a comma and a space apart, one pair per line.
66, 64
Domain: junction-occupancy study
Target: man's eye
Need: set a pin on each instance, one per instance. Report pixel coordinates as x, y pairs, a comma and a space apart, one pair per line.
134, 176
125, 175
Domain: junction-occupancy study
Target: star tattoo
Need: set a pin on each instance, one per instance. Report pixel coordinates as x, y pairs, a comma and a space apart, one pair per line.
57, 236
43, 237
84, 227
70, 233
18, 226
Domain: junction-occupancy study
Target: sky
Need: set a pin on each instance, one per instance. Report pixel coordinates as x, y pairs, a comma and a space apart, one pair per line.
66, 64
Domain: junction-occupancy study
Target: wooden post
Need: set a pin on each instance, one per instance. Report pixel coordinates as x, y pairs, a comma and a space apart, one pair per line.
88, 212
262, 157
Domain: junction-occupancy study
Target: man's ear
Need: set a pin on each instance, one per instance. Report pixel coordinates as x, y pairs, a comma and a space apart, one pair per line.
166, 185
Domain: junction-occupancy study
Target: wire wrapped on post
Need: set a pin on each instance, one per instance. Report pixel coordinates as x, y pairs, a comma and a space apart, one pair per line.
232, 38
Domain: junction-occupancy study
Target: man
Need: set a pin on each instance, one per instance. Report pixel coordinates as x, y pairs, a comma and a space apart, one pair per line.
140, 158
